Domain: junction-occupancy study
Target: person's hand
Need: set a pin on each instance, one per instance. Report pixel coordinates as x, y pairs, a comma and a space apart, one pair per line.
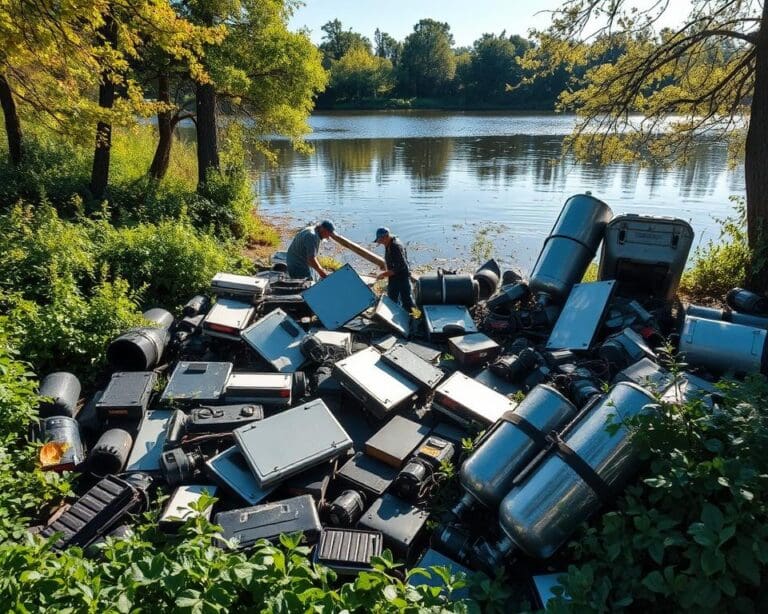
323, 273
383, 275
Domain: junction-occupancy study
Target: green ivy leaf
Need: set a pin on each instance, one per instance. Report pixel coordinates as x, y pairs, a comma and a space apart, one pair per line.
654, 582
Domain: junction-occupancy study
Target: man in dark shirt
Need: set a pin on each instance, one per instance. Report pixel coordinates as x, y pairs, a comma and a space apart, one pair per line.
398, 272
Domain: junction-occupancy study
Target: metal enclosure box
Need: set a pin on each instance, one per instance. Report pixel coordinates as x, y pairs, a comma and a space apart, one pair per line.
425, 352
196, 382
443, 321
401, 524
396, 440
177, 510
473, 350
229, 470
488, 378
645, 254
274, 389
290, 442
348, 551
338, 298
413, 367
148, 443
469, 402
581, 316
723, 346
227, 284
127, 395
366, 474
277, 339
227, 318
378, 386
392, 315
268, 521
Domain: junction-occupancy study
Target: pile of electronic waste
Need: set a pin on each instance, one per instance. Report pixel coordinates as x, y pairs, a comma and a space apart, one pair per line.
323, 409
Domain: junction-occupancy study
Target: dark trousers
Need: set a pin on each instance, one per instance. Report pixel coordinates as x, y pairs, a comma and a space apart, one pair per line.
399, 290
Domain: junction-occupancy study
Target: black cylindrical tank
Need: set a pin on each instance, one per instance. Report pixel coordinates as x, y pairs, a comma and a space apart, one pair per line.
63, 390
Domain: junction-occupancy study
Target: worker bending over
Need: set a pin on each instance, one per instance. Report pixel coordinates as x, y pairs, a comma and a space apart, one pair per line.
398, 272
302, 253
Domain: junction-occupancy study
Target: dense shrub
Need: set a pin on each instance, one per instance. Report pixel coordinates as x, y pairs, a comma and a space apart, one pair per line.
721, 265
692, 535
169, 261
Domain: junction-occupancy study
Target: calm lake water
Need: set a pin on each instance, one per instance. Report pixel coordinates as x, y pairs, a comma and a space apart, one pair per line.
440, 179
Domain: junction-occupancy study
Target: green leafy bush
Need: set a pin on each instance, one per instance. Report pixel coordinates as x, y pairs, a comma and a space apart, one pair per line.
169, 261
692, 535
721, 265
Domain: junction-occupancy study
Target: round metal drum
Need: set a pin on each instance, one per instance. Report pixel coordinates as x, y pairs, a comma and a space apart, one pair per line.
562, 263
583, 218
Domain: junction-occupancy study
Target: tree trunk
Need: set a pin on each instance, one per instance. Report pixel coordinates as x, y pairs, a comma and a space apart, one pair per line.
756, 163
101, 154
162, 159
12, 123
207, 138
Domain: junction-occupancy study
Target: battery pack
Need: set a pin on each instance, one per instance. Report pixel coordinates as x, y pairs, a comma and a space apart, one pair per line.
348, 551
394, 443
413, 367
469, 402
473, 350
127, 395
366, 474
239, 286
273, 389
268, 521
401, 524
227, 319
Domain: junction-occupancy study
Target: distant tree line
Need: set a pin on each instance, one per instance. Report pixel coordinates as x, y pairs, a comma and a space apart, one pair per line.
427, 65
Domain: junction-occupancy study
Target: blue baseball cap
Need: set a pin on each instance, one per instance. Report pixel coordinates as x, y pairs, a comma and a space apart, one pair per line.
381, 233
328, 225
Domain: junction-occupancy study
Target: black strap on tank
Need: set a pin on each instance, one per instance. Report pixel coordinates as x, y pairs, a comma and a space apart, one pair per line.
582, 468
531, 431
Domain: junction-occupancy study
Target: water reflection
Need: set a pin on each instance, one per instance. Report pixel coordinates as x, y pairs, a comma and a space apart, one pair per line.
441, 191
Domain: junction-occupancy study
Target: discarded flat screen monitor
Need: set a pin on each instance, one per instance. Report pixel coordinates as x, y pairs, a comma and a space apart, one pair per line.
198, 382
581, 316
292, 441
338, 298
229, 469
470, 402
277, 339
149, 442
444, 321
391, 314
378, 386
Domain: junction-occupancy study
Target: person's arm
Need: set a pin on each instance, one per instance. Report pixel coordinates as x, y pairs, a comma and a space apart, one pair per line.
313, 262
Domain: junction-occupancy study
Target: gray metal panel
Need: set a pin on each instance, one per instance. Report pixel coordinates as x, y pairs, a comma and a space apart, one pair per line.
471, 397
202, 381
230, 314
338, 298
722, 346
148, 445
437, 317
393, 315
230, 469
413, 366
277, 339
289, 442
580, 319
381, 381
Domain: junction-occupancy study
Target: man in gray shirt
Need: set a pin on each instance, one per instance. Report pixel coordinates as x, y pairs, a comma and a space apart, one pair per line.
302, 253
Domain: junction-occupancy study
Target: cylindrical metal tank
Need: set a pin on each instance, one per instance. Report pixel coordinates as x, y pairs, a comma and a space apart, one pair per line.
110, 453
541, 513
62, 449
64, 391
723, 346
196, 305
726, 315
487, 475
508, 295
159, 316
487, 277
746, 301
447, 289
570, 246
137, 350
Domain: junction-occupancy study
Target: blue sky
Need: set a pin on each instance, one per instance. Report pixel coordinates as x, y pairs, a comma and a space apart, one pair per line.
468, 18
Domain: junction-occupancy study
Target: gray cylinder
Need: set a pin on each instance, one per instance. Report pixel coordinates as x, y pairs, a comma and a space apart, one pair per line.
159, 316
64, 390
541, 513
748, 302
570, 246
140, 349
723, 346
62, 448
487, 475
447, 289
196, 305
726, 315
110, 453
487, 277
